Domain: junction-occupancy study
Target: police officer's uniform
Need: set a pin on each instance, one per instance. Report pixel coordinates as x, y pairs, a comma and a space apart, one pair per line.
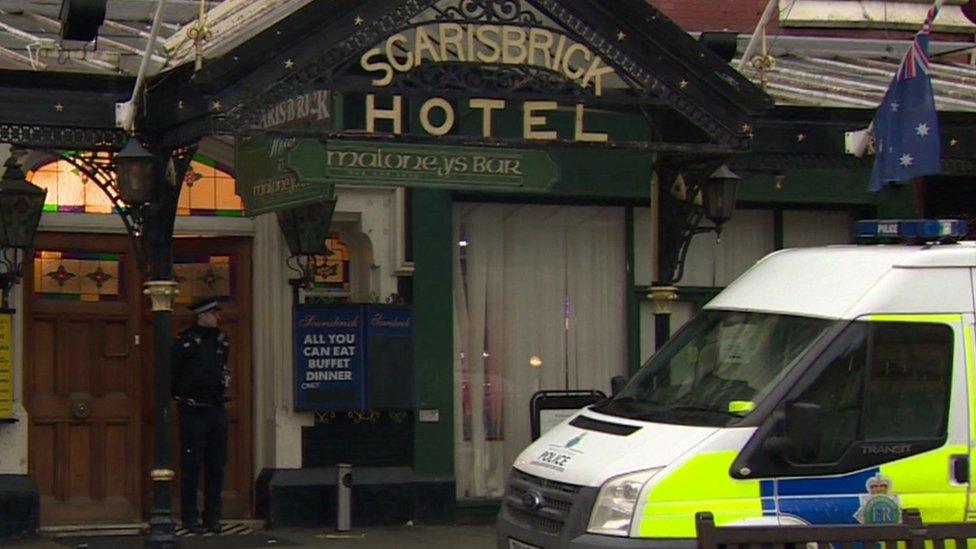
200, 379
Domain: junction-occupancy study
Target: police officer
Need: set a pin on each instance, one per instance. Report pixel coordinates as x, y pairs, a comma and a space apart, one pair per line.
200, 380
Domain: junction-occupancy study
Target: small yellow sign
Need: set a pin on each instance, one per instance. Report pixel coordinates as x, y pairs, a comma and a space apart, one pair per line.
741, 406
6, 366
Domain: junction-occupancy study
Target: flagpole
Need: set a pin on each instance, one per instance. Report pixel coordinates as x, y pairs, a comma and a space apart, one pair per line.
760, 30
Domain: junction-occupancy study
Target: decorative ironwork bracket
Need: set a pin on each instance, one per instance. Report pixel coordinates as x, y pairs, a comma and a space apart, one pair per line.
347, 40
51, 137
99, 167
681, 216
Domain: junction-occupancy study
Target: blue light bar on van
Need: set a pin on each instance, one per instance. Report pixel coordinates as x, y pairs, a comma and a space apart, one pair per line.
911, 230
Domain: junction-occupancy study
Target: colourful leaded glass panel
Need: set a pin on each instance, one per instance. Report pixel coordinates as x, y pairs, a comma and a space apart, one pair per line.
333, 269
207, 190
69, 190
78, 276
204, 276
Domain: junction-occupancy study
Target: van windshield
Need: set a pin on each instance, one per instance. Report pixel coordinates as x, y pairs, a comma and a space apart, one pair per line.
717, 368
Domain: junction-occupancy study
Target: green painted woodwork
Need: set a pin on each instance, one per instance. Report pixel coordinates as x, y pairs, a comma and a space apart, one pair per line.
822, 188
265, 184
896, 202
433, 336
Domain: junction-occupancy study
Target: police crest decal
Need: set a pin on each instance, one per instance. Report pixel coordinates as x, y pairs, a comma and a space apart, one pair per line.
879, 505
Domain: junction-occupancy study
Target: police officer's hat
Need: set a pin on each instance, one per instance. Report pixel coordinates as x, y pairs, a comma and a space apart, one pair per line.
204, 304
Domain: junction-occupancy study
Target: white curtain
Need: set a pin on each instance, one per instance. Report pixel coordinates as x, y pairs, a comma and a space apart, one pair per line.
529, 281
746, 238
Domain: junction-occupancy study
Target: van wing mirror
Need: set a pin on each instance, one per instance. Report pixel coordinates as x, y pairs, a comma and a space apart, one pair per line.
802, 430
617, 384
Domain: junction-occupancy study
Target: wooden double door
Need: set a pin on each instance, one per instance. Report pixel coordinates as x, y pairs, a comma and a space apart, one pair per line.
88, 373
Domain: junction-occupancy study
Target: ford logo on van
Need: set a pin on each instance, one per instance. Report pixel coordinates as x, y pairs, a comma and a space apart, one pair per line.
531, 500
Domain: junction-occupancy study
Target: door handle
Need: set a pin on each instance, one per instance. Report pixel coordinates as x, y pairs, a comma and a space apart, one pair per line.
959, 468
81, 409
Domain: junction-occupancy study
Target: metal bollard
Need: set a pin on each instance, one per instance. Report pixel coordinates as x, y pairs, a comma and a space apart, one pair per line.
343, 497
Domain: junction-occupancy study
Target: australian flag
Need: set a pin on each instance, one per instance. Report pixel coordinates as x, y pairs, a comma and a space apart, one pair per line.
906, 126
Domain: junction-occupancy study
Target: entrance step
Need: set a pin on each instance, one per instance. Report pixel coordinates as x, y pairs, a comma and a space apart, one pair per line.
230, 527
227, 528
92, 530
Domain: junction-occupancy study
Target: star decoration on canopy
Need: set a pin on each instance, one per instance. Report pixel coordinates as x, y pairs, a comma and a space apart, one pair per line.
59, 107
621, 36
358, 21
289, 63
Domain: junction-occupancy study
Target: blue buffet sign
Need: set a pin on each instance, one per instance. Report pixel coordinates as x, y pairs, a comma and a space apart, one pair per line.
389, 357
329, 351
389, 320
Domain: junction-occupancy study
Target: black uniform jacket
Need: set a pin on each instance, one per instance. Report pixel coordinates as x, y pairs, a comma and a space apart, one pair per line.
199, 362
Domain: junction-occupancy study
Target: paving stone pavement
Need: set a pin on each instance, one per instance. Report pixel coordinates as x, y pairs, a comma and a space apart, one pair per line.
399, 537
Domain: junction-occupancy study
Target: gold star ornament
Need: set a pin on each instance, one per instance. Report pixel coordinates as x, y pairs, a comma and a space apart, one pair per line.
621, 36
358, 21
59, 107
289, 63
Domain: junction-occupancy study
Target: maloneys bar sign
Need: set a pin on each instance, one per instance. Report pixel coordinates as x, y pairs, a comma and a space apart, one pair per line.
472, 168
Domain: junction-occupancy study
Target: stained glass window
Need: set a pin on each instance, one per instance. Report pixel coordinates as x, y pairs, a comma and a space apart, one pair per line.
207, 190
332, 270
204, 276
69, 190
78, 276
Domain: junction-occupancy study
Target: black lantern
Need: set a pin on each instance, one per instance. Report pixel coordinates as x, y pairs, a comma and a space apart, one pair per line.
305, 229
134, 169
719, 194
21, 204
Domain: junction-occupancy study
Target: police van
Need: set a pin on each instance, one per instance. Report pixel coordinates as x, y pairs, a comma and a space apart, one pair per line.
829, 385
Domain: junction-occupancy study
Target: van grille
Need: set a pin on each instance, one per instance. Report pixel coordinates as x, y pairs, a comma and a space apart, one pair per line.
556, 501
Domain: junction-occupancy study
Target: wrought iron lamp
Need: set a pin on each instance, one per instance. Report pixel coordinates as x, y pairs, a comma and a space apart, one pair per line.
719, 193
710, 196
21, 204
305, 229
134, 169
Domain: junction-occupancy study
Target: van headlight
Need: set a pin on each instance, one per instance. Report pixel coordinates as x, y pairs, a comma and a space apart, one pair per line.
614, 509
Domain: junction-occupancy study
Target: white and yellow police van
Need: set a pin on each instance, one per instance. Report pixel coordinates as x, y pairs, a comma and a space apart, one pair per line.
830, 385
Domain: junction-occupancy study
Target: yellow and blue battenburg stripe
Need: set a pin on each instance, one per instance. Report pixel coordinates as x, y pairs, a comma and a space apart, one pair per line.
820, 500
702, 481
704, 484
